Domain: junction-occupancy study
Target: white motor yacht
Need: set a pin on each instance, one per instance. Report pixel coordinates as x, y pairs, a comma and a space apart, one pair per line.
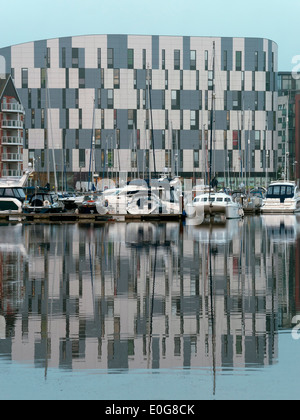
12, 195
117, 199
282, 197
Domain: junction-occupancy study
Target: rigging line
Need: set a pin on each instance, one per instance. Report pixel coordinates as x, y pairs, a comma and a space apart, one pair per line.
92, 150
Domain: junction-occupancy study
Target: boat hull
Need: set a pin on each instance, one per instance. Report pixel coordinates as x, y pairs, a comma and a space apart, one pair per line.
10, 206
275, 207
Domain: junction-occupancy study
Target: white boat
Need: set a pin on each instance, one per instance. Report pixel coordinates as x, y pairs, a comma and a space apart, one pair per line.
217, 204
163, 197
117, 199
12, 195
282, 197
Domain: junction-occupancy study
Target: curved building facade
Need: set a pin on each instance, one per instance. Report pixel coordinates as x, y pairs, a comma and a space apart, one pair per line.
147, 102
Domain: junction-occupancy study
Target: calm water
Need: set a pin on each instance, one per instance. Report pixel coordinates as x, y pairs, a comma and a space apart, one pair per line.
150, 310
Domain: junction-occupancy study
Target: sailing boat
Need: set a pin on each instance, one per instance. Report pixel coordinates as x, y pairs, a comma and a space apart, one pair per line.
211, 203
45, 201
154, 195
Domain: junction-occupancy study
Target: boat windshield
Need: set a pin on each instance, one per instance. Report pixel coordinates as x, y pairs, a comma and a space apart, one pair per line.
281, 191
12, 192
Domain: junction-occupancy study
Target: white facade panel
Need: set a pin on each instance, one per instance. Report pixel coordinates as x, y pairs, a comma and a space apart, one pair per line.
22, 56
34, 78
56, 78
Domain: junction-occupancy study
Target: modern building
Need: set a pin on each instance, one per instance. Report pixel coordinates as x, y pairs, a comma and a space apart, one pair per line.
11, 130
288, 119
147, 102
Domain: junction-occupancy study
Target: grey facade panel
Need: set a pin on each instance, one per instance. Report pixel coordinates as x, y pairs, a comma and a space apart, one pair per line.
62, 118
248, 100
253, 45
221, 120
119, 43
55, 98
156, 99
67, 44
70, 139
189, 139
189, 99
155, 52
85, 139
227, 45
122, 119
40, 51
219, 160
70, 98
92, 78
141, 79
81, 58
186, 52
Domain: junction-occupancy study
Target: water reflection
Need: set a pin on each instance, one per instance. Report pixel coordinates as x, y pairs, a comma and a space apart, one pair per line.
148, 295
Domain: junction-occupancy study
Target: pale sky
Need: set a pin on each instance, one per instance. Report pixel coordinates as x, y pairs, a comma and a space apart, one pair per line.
278, 20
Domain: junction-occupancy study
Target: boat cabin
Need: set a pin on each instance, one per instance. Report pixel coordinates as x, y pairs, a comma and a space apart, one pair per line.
10, 192
212, 199
281, 191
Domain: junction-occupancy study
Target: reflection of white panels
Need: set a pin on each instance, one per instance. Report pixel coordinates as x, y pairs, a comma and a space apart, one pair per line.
281, 228
12, 249
2, 328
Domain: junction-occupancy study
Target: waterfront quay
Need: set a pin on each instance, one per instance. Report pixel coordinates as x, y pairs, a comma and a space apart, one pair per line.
72, 217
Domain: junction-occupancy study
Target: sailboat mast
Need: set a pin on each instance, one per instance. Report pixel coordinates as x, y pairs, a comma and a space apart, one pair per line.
49, 127
151, 116
47, 131
92, 153
212, 116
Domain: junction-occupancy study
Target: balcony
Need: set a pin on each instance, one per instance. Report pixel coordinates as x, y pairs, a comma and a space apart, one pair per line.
12, 124
12, 157
11, 173
12, 108
12, 141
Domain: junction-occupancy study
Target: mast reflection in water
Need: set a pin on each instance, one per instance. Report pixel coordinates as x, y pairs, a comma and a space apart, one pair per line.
148, 295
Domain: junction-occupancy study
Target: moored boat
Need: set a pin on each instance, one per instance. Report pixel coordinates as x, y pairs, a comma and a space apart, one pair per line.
44, 202
12, 195
282, 197
218, 204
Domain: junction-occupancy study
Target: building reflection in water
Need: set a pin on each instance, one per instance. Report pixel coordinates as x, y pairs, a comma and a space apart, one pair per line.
148, 295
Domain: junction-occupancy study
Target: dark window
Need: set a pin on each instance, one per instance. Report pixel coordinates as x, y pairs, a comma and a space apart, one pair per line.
175, 99
176, 59
24, 78
130, 58
75, 57
81, 78
193, 60
238, 61
110, 58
